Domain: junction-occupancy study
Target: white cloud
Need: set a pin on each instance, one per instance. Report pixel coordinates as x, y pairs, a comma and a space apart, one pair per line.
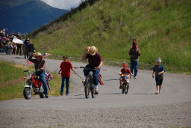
63, 4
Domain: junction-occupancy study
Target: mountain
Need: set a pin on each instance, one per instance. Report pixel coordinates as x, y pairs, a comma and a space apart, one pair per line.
162, 28
26, 15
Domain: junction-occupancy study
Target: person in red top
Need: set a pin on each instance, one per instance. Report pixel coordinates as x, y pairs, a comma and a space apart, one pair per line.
65, 68
125, 72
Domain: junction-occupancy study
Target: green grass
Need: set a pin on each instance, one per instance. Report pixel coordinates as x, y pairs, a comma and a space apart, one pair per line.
111, 24
9, 72
10, 81
11, 91
55, 85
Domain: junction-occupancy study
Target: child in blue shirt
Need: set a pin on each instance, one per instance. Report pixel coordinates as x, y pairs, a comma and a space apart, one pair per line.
158, 74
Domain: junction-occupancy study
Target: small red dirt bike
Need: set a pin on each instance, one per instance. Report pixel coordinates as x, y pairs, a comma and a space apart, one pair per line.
33, 84
124, 83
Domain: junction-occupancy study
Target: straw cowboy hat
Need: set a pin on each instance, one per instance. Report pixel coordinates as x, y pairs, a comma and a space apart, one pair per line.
93, 50
37, 54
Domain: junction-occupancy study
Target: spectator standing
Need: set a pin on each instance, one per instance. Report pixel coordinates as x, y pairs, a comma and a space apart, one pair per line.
134, 54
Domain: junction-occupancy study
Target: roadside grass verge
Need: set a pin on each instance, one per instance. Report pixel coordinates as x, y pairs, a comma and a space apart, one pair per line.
55, 85
11, 81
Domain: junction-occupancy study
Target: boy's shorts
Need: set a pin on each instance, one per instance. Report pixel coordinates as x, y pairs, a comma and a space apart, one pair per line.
125, 77
159, 80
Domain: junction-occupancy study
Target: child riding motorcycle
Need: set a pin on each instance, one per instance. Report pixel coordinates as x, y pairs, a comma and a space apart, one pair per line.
39, 64
124, 74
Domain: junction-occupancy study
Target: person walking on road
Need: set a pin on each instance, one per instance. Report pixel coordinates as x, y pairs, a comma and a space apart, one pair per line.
134, 54
158, 74
65, 68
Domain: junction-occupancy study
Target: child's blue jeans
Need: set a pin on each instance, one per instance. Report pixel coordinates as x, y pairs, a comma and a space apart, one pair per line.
63, 84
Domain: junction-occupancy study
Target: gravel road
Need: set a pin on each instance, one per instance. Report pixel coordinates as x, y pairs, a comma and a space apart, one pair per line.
110, 109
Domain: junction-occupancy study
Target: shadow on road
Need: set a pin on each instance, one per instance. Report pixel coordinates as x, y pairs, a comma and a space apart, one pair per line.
19, 57
79, 95
78, 98
140, 93
114, 93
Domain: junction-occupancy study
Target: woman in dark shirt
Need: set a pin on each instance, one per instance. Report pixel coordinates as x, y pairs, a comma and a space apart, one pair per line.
134, 54
94, 64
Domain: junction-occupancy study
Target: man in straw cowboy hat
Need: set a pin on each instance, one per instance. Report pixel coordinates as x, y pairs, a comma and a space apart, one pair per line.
94, 64
39, 64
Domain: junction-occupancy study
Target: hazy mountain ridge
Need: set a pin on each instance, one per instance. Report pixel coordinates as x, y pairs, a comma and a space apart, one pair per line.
26, 15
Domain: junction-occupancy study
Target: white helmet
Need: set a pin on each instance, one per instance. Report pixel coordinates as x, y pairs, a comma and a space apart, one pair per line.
158, 60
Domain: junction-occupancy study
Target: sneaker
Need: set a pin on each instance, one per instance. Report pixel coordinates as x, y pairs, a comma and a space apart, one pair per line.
46, 96
156, 93
135, 77
83, 82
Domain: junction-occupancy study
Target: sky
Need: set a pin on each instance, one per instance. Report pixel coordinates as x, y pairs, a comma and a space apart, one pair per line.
63, 4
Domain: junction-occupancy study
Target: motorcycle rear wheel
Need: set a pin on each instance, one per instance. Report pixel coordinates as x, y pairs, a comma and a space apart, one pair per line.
127, 88
86, 90
93, 92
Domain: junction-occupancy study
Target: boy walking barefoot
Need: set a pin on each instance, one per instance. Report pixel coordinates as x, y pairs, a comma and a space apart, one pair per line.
65, 68
158, 74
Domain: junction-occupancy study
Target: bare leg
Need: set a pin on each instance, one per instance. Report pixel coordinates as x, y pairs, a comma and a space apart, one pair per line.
160, 87
157, 89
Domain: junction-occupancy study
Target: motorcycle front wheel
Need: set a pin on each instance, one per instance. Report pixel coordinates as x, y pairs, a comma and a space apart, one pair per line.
27, 93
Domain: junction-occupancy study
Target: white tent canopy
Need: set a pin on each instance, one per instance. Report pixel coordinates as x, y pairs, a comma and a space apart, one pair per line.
17, 41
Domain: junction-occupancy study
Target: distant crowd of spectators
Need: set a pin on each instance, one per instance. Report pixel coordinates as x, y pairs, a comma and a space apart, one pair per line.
8, 46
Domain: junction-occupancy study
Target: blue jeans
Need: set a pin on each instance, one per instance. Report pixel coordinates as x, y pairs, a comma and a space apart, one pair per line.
42, 76
67, 85
95, 74
134, 67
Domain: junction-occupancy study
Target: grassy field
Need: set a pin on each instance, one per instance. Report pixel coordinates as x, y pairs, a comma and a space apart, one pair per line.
163, 29
12, 82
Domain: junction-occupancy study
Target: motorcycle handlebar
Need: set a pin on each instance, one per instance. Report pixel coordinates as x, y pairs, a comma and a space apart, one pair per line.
85, 68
